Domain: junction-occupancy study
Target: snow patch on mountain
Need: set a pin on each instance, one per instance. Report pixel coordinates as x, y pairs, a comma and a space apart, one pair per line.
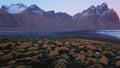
16, 8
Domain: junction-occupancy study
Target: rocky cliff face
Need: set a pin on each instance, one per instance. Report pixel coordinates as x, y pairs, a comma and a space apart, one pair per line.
21, 16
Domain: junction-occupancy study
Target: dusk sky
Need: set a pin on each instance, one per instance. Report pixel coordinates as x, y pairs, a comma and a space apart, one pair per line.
69, 6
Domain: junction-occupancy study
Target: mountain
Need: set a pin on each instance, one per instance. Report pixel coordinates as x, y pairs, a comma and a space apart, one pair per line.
21, 16
15, 8
100, 17
61, 20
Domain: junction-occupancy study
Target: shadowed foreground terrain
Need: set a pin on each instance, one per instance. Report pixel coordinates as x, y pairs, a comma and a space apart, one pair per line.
33, 52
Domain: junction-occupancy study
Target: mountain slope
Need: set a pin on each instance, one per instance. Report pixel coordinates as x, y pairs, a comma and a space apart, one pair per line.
100, 17
21, 16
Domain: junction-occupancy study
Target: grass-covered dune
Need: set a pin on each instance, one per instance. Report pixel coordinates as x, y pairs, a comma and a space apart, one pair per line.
33, 52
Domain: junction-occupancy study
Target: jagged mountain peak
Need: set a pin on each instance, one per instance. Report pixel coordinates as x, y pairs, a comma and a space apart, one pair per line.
95, 17
20, 7
36, 9
104, 5
98, 10
18, 4
14, 8
91, 9
62, 14
52, 11
4, 7
34, 6
102, 8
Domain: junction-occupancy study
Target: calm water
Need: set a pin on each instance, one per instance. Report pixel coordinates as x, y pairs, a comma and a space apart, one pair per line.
115, 33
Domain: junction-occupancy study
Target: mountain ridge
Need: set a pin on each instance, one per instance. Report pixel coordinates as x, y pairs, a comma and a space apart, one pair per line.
21, 16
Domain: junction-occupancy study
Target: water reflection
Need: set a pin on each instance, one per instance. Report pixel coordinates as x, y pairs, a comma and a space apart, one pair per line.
115, 33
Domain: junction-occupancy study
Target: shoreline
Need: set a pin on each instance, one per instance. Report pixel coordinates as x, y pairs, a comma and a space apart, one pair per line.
78, 34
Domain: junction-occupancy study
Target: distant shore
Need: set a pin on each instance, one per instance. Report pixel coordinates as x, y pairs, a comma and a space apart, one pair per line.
88, 34
70, 34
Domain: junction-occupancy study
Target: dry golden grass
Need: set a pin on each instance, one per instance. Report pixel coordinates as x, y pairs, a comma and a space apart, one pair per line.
118, 52
91, 47
31, 53
81, 58
45, 46
21, 66
63, 48
24, 45
11, 62
67, 43
108, 53
58, 43
32, 48
76, 51
1, 53
96, 66
81, 46
7, 57
28, 59
61, 63
104, 60
117, 63
21, 50
9, 44
83, 52
54, 53
92, 60
71, 53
